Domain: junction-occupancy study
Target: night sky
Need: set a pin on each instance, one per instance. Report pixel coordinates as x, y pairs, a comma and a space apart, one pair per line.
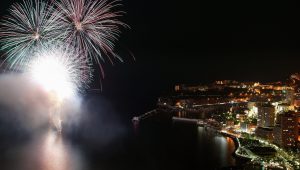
192, 42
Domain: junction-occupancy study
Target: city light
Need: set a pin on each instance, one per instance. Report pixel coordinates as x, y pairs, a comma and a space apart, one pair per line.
256, 115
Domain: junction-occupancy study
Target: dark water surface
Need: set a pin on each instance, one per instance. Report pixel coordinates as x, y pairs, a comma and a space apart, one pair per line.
156, 143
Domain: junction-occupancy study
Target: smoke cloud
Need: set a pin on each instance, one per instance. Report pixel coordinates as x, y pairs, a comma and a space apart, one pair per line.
25, 108
26, 105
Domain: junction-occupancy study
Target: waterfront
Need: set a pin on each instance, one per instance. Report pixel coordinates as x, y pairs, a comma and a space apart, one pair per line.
185, 144
157, 143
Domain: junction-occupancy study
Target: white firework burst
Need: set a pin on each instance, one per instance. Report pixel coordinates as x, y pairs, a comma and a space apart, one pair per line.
30, 25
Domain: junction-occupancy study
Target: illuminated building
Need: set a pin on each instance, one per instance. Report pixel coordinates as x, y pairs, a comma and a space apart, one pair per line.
288, 95
286, 132
241, 117
248, 127
177, 88
265, 133
253, 110
244, 126
297, 101
277, 131
284, 107
266, 115
230, 123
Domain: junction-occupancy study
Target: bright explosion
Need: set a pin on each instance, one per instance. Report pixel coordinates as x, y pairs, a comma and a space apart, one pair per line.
61, 72
53, 75
56, 42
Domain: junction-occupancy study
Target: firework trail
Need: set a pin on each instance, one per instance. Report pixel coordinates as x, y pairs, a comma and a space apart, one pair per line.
30, 25
91, 26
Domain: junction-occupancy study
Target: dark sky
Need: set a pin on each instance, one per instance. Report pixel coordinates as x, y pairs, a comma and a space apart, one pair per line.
188, 42
194, 42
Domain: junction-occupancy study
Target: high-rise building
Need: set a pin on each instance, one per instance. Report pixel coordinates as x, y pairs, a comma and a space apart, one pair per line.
265, 133
286, 132
266, 115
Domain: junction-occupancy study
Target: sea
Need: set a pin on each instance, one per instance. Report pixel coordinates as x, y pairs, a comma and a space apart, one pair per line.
102, 140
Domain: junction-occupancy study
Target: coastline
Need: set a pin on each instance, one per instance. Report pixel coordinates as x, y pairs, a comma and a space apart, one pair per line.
237, 146
233, 137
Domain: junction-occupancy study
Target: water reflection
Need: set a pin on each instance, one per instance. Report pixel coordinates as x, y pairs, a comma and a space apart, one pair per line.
51, 152
221, 148
54, 154
226, 149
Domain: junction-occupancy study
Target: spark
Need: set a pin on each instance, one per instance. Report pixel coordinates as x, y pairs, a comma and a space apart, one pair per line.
62, 73
30, 25
91, 26
57, 42
59, 70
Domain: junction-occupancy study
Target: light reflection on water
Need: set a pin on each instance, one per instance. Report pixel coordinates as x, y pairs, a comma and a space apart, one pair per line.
54, 149
222, 148
50, 152
226, 149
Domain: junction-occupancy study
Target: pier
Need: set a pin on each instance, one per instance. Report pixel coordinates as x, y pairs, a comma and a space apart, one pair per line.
137, 119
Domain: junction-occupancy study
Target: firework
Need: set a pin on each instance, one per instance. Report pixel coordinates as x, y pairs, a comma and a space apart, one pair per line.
59, 70
29, 26
56, 42
91, 26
